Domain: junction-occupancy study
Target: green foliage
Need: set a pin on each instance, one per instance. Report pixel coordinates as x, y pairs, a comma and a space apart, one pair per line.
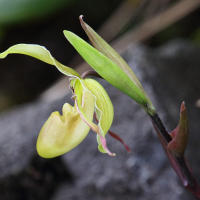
106, 68
14, 11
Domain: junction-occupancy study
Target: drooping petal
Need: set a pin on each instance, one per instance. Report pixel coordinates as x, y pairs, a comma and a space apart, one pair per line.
40, 53
100, 129
78, 88
104, 111
106, 68
61, 134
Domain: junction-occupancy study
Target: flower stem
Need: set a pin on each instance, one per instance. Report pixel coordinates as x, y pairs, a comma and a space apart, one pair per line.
163, 131
179, 163
184, 168
90, 73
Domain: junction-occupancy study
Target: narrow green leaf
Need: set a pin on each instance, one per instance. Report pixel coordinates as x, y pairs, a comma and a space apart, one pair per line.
102, 46
40, 53
106, 68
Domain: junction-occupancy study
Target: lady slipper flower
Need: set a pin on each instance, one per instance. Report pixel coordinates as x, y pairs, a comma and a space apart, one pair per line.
61, 133
110, 65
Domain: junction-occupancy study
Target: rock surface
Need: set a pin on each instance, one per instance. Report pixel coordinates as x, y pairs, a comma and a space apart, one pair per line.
169, 74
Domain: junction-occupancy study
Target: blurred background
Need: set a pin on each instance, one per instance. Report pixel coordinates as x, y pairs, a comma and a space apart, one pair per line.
120, 22
41, 22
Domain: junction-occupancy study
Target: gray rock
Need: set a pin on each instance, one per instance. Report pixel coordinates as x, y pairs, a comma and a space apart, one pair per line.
170, 75
19, 130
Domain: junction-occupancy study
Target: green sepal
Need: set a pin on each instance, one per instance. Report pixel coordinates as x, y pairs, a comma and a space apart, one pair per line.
103, 105
103, 109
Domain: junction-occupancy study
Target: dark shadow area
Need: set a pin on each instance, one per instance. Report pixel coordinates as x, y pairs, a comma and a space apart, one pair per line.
23, 78
38, 180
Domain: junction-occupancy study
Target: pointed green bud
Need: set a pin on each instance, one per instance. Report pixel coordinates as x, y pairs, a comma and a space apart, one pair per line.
180, 135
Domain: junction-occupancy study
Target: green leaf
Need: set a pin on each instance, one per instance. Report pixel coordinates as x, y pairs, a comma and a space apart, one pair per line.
106, 68
102, 46
15, 11
40, 53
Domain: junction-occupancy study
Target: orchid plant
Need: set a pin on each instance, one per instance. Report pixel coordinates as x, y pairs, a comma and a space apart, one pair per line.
62, 133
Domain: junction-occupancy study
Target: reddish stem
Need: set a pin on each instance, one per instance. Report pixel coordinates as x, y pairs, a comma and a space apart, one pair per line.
193, 187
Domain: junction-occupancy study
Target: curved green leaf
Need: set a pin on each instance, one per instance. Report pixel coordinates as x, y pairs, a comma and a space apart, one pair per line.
102, 46
106, 68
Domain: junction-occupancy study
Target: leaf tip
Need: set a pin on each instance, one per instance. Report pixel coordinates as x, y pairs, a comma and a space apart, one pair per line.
81, 18
68, 35
65, 32
182, 107
83, 24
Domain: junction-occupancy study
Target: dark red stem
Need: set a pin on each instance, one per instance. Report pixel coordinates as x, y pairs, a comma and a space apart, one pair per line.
179, 164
